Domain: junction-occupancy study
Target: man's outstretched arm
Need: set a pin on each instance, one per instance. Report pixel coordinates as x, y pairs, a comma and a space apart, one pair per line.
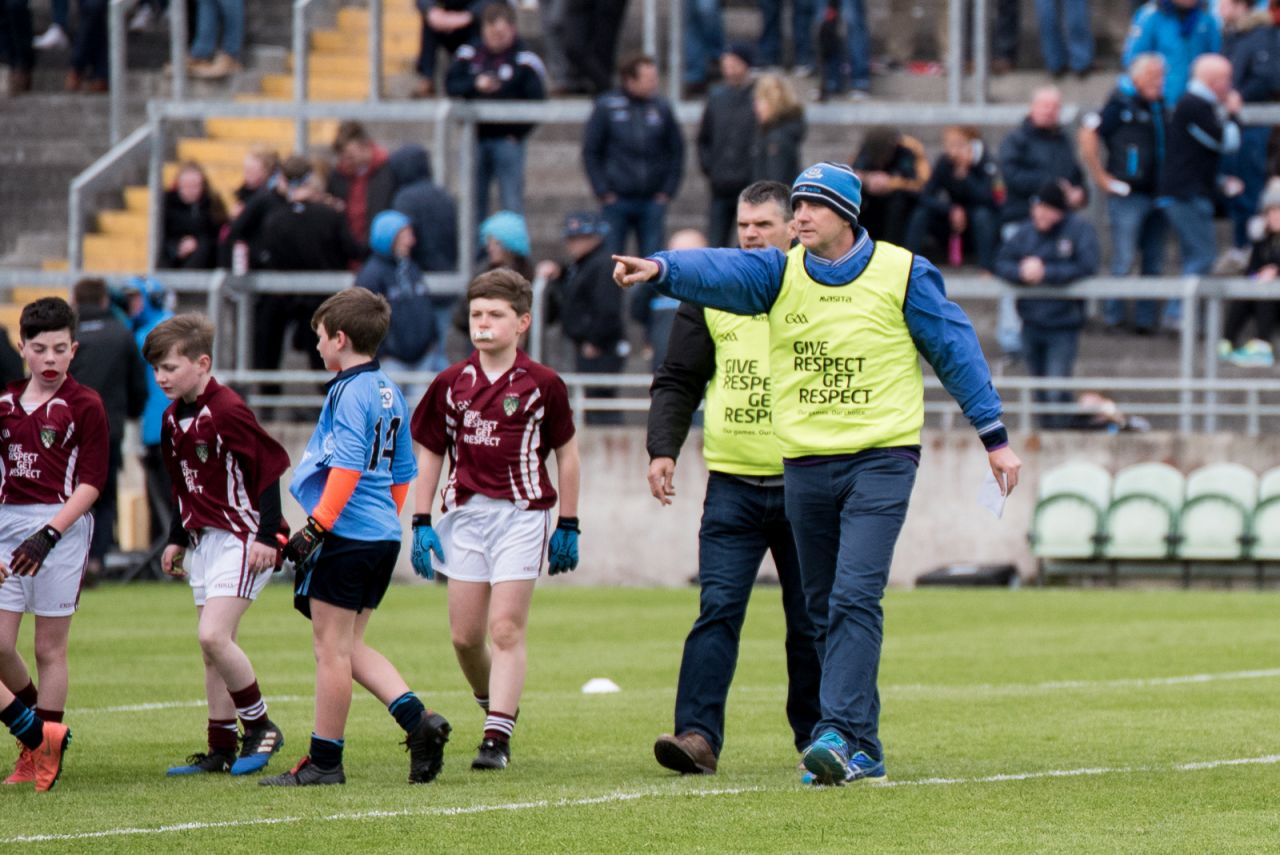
741, 281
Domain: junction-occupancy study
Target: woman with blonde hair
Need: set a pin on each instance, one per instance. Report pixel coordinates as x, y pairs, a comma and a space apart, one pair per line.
782, 130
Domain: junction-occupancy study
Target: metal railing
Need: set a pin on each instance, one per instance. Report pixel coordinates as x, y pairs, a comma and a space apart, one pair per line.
105, 169
301, 69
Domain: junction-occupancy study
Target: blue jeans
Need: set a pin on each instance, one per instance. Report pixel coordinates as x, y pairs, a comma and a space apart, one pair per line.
801, 32
210, 14
740, 522
846, 515
1192, 222
1249, 164
646, 217
839, 73
1137, 229
500, 159
1051, 352
1077, 49
980, 237
89, 51
703, 38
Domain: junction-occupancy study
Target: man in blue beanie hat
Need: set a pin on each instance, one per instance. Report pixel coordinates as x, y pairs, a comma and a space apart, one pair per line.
848, 319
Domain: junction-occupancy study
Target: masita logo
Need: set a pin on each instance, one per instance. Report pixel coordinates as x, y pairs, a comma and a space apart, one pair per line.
795, 318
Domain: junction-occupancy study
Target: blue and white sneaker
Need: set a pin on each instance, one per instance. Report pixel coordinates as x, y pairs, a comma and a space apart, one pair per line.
256, 749
861, 768
828, 758
202, 763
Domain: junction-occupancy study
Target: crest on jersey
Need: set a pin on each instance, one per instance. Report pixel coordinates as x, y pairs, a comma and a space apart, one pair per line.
202, 451
510, 403
47, 436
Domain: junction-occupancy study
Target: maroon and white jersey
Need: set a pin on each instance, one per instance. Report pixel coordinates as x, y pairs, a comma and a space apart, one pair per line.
53, 449
497, 434
220, 460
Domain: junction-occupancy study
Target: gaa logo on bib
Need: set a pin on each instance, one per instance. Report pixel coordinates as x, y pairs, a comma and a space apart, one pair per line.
202, 451
510, 403
47, 436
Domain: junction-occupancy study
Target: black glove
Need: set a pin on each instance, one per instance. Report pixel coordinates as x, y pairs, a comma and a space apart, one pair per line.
32, 552
304, 542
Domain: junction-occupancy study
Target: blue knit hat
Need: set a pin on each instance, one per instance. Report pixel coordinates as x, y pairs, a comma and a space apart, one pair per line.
507, 228
832, 184
384, 230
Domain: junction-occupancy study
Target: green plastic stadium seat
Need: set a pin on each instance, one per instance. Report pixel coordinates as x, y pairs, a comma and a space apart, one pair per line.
1069, 511
1145, 500
1215, 522
1266, 519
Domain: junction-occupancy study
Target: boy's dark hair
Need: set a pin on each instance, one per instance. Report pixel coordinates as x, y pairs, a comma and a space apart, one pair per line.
348, 132
90, 292
503, 283
363, 315
760, 192
630, 66
190, 333
498, 10
48, 314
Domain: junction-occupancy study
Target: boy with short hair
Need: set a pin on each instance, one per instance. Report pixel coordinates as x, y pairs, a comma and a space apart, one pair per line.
53, 444
225, 474
497, 415
352, 481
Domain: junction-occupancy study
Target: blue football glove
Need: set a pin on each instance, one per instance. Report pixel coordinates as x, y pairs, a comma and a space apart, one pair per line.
562, 554
425, 542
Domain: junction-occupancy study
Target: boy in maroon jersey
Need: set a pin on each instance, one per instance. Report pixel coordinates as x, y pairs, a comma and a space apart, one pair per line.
225, 472
497, 415
53, 464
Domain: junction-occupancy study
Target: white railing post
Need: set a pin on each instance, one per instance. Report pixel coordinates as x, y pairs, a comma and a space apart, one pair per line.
178, 49
301, 59
375, 50
117, 59
955, 50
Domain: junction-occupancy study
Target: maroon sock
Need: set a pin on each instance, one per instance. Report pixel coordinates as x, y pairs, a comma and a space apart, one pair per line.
28, 695
49, 715
499, 726
250, 706
222, 735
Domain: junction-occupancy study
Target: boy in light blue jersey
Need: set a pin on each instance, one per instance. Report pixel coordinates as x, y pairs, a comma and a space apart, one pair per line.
352, 481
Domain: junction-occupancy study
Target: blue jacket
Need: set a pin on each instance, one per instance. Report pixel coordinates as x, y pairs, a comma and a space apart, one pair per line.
152, 314
1178, 35
413, 331
747, 282
1069, 251
632, 148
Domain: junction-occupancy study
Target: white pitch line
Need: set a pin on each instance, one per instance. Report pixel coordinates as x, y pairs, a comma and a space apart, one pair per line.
907, 688
617, 797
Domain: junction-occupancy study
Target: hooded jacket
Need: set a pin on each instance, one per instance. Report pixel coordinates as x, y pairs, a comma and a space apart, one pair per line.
431, 210
413, 329
152, 313
1070, 252
1030, 157
1253, 46
726, 137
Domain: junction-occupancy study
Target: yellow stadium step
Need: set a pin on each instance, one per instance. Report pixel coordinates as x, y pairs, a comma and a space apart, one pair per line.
320, 88
23, 294
127, 224
402, 20
356, 63
55, 265
137, 198
213, 153
269, 133
113, 254
394, 44
9, 319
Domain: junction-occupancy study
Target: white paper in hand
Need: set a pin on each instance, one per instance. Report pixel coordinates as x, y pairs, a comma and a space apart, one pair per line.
991, 495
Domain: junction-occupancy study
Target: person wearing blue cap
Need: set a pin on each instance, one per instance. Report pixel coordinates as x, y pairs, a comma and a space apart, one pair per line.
848, 320
590, 307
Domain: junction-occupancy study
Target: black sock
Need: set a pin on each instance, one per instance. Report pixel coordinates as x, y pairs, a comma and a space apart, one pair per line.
23, 723
326, 753
408, 711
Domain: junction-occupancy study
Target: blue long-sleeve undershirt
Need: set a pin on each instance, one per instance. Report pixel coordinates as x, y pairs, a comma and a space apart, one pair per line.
747, 282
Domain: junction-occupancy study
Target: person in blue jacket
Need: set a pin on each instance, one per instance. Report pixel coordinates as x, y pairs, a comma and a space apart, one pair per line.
146, 302
848, 318
1178, 30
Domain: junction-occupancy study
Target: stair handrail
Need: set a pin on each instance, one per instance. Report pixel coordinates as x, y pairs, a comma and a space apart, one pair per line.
178, 49
96, 173
118, 60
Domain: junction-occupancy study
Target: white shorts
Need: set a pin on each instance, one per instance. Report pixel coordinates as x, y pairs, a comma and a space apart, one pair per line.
218, 566
55, 590
491, 540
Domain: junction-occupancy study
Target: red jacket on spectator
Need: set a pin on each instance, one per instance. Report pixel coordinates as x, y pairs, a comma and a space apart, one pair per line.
366, 193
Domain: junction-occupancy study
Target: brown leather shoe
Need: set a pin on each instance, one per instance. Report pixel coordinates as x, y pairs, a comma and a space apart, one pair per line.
688, 753
19, 81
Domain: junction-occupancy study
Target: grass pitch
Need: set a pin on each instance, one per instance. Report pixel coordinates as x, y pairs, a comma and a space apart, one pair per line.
1026, 721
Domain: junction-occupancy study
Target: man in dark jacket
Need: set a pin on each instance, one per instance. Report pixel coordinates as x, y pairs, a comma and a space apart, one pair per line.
590, 304
1204, 127
1054, 247
361, 179
959, 200
725, 140
107, 361
1251, 40
498, 67
1037, 151
634, 156
1131, 131
429, 207
726, 358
